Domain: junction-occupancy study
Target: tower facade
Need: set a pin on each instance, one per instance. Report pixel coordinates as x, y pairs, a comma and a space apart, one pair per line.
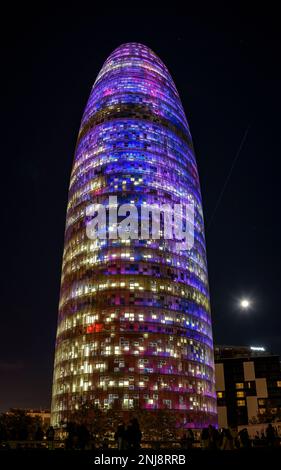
134, 326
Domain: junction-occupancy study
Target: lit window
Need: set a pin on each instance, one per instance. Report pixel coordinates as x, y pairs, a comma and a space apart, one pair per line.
240, 394
278, 383
219, 394
241, 403
128, 403
239, 385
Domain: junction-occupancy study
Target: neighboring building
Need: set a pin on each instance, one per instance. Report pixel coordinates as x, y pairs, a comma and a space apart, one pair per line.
134, 325
248, 384
44, 415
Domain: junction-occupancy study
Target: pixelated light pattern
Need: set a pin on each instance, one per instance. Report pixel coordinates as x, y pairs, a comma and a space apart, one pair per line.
134, 325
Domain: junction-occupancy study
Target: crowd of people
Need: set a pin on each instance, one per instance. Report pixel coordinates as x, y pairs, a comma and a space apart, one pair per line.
128, 436
230, 439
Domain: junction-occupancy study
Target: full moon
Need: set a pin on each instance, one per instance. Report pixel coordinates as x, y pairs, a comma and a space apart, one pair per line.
245, 303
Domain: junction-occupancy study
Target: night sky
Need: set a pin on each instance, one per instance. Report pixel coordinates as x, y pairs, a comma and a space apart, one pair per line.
227, 71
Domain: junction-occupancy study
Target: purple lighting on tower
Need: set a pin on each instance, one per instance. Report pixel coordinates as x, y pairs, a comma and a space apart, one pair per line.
134, 325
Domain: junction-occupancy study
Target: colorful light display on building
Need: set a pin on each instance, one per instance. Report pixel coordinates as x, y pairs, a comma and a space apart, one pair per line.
134, 327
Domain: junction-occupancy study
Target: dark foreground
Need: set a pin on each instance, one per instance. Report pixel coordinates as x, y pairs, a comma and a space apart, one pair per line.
143, 458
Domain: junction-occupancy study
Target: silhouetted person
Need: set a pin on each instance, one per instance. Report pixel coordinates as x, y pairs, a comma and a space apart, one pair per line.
256, 439
120, 436
50, 436
213, 437
244, 438
71, 434
83, 436
270, 435
227, 440
183, 441
190, 438
235, 437
104, 443
205, 438
50, 433
133, 434
39, 434
3, 433
187, 439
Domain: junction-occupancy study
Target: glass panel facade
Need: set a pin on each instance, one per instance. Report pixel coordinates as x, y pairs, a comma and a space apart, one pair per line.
134, 325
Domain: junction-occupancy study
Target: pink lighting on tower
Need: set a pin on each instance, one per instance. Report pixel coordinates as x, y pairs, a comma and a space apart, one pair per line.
135, 313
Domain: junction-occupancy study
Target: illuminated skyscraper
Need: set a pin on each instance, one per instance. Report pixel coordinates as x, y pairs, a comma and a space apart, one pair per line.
134, 325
